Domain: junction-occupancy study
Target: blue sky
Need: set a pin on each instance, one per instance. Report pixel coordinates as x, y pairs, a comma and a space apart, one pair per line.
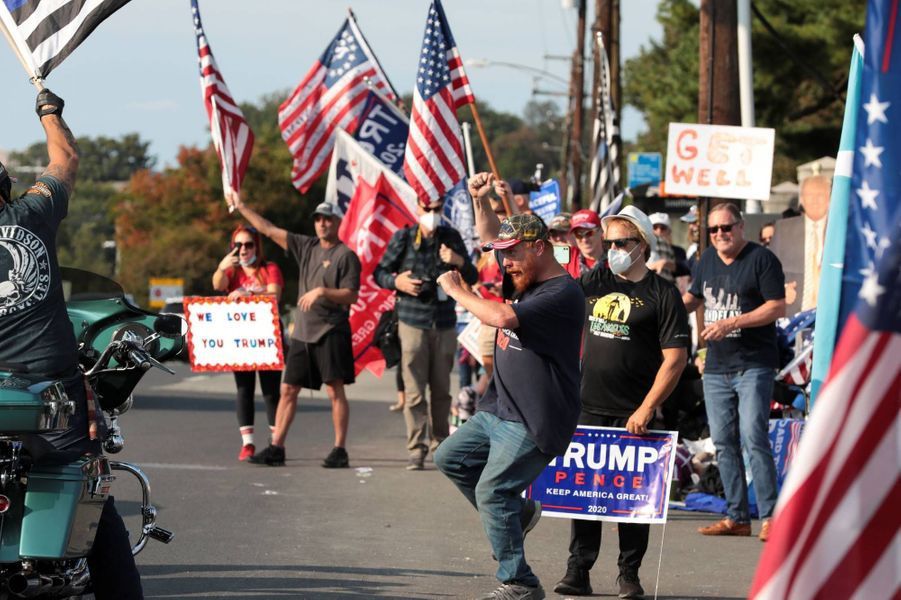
138, 71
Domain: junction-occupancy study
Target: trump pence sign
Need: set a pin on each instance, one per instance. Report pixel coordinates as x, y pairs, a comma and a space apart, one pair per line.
609, 474
719, 161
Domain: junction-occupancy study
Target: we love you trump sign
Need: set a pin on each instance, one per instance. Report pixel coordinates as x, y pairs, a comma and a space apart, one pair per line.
719, 161
608, 474
243, 334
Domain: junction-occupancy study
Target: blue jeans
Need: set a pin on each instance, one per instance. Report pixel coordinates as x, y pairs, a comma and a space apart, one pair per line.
738, 411
492, 461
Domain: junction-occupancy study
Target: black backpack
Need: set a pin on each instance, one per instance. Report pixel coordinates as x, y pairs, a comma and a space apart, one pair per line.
387, 339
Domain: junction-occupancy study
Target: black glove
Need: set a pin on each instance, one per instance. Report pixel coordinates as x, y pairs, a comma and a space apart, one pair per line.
48, 103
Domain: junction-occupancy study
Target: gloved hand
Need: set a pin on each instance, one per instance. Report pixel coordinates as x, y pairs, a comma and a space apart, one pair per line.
48, 103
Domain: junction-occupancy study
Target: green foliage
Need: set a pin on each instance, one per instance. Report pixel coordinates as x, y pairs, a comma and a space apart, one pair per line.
102, 158
662, 82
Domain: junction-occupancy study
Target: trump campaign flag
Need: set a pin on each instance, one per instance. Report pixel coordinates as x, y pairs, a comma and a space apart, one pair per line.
835, 532
330, 97
433, 159
44, 32
232, 137
383, 131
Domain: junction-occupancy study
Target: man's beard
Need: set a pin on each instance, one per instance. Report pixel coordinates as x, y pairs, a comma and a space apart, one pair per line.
525, 278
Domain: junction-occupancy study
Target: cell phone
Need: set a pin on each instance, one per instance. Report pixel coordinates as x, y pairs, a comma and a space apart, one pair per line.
562, 254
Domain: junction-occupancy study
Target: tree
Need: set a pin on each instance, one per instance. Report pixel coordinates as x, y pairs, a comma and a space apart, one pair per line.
799, 75
102, 158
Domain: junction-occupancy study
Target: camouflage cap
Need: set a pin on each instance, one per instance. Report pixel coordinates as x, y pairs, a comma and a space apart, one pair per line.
518, 228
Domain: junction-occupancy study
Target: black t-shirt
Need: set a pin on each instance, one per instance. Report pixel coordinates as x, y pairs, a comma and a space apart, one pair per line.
536, 366
334, 268
754, 277
627, 324
34, 326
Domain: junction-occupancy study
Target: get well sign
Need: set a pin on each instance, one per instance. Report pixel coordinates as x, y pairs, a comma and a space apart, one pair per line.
719, 161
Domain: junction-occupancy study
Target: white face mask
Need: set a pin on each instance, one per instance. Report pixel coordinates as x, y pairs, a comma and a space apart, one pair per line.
430, 220
620, 260
247, 263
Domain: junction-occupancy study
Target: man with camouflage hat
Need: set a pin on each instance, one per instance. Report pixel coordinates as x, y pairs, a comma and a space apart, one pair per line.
529, 411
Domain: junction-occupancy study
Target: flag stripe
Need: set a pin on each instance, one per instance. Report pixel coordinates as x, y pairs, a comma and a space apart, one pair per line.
885, 575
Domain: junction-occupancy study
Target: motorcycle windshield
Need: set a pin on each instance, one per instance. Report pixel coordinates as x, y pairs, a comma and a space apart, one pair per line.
84, 285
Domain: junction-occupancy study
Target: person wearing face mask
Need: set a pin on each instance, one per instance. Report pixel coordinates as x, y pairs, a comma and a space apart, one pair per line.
635, 346
243, 272
413, 260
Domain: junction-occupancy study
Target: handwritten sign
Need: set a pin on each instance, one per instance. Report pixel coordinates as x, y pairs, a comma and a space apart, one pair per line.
234, 335
719, 161
608, 474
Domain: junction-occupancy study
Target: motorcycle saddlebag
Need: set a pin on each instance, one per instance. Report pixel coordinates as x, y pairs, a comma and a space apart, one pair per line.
28, 405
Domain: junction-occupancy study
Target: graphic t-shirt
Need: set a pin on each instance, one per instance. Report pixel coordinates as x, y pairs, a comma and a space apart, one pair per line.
627, 324
335, 268
754, 277
239, 280
34, 326
536, 366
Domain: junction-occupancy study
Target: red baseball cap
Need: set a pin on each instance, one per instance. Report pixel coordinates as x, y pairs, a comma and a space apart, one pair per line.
585, 219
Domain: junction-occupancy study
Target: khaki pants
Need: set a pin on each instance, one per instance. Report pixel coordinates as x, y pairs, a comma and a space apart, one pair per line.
427, 360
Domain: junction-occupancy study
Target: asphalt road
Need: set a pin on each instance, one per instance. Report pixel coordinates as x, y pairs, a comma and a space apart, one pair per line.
372, 531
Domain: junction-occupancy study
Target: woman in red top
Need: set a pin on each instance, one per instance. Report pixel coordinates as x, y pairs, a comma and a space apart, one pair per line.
243, 272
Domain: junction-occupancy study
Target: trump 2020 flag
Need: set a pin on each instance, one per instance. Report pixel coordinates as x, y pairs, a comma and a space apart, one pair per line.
330, 97
835, 532
44, 32
231, 134
433, 160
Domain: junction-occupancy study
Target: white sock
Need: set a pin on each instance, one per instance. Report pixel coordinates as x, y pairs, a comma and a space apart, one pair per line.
246, 435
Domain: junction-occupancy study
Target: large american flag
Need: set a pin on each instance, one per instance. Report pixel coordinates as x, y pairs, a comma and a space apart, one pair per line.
45, 32
231, 134
836, 532
330, 96
605, 184
433, 159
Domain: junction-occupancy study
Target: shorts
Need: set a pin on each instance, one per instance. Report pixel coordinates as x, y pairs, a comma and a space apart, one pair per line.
330, 359
486, 340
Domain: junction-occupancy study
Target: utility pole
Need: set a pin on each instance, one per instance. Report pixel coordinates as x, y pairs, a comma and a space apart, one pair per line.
578, 107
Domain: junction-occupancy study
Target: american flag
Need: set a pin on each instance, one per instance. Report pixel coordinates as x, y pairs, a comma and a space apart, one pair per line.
433, 159
797, 372
605, 162
231, 134
835, 533
330, 96
45, 32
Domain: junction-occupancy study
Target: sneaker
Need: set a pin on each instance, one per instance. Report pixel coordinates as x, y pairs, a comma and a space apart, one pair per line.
576, 582
630, 586
247, 451
764, 534
336, 459
273, 456
515, 591
416, 463
726, 527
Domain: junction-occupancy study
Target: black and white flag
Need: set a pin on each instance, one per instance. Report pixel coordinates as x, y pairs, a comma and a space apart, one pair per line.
44, 32
605, 182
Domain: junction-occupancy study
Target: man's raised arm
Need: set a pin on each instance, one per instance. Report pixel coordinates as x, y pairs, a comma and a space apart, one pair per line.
61, 146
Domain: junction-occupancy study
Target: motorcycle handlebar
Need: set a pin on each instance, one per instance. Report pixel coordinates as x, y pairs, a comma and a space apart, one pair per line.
140, 359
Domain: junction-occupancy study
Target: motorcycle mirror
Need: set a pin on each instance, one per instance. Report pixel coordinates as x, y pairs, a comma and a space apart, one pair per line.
170, 326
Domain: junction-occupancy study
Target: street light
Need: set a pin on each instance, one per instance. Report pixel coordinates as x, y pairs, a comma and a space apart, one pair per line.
477, 63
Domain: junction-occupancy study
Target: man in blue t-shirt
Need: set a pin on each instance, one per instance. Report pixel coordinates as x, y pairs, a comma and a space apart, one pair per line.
529, 412
36, 335
741, 286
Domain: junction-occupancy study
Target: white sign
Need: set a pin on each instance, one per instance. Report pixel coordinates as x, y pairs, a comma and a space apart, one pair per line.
469, 339
234, 335
719, 161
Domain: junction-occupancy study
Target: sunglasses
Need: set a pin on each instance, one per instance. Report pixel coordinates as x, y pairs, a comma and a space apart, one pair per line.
583, 233
713, 229
248, 245
620, 243
438, 208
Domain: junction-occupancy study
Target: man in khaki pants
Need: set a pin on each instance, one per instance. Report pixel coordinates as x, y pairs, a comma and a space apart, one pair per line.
414, 259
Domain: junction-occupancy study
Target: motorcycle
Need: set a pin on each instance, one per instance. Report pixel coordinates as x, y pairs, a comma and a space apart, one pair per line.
51, 501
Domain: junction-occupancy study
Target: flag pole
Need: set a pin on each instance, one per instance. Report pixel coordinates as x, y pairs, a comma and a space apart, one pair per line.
484, 138
38, 82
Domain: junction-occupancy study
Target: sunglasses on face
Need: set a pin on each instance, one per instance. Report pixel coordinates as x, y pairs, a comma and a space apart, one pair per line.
247, 245
620, 243
713, 229
583, 234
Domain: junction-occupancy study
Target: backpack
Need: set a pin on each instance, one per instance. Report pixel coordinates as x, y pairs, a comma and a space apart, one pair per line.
387, 339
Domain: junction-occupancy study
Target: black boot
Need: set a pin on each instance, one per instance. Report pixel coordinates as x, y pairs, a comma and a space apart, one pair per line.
576, 582
630, 586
